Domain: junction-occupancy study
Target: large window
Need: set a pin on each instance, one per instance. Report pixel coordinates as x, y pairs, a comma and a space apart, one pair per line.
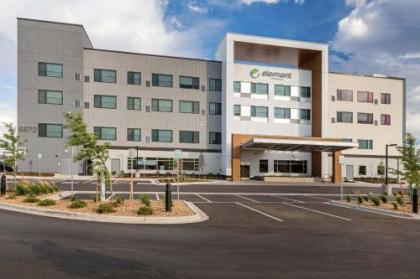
134, 78
162, 105
362, 170
215, 84
365, 118
103, 101
282, 113
263, 166
101, 75
385, 98
190, 164
189, 82
133, 134
215, 138
133, 103
50, 130
50, 70
385, 119
365, 144
215, 108
305, 92
161, 135
305, 114
150, 163
259, 111
105, 133
288, 166
189, 107
259, 88
189, 137
282, 90
237, 86
345, 95
162, 80
364, 97
344, 117
52, 97
237, 110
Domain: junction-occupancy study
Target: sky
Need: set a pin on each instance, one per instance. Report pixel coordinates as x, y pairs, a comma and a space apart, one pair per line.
365, 36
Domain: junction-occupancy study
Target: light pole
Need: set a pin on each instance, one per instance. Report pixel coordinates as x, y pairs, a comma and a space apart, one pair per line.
386, 167
71, 168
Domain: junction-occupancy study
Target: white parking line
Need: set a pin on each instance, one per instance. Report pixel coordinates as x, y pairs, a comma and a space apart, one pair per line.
203, 198
260, 212
317, 211
289, 199
157, 196
245, 198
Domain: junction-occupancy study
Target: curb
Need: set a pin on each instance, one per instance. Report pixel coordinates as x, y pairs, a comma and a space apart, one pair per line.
395, 214
199, 216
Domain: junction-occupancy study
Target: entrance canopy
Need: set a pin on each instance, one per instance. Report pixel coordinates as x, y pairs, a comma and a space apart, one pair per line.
301, 145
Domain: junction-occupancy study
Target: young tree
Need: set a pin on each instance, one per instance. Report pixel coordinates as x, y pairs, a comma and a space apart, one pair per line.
410, 157
12, 145
90, 149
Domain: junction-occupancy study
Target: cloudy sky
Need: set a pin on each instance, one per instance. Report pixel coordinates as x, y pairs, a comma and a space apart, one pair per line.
365, 36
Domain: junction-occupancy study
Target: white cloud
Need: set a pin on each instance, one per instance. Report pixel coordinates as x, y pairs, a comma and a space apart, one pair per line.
193, 6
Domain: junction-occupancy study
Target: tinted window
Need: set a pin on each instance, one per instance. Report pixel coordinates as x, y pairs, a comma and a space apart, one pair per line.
52, 97
50, 130
134, 78
162, 105
102, 101
101, 75
189, 82
162, 80
50, 70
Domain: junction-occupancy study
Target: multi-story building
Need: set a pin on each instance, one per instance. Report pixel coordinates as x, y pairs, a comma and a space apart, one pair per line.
264, 108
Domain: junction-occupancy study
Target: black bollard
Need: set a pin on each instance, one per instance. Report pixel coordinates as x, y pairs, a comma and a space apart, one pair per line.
168, 198
3, 185
415, 201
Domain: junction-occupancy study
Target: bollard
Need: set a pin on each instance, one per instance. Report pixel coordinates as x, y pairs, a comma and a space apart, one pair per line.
415, 201
3, 185
168, 198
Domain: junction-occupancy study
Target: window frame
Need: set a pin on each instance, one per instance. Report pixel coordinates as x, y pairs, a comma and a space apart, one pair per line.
133, 103
305, 92
157, 131
156, 81
370, 97
218, 108
307, 113
157, 101
254, 111
131, 132
101, 102
369, 144
217, 137
195, 136
41, 135
217, 84
195, 82
45, 92
340, 116
195, 106
287, 114
386, 119
100, 136
266, 161
131, 80
369, 121
340, 94
386, 98
99, 78
40, 72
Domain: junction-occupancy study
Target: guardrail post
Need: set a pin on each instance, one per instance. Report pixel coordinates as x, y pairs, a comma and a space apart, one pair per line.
3, 185
415, 201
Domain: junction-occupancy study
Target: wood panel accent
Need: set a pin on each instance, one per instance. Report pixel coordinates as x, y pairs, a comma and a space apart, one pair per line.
336, 176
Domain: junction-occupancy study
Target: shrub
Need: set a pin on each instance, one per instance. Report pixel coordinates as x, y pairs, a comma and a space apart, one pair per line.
384, 199
117, 200
105, 208
34, 189
375, 201
11, 197
77, 204
145, 210
348, 198
31, 199
360, 199
22, 189
395, 205
145, 200
46, 202
395, 194
399, 200
385, 194
400, 193
366, 198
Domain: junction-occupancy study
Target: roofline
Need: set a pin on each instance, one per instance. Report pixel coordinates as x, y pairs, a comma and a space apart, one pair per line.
154, 55
57, 22
367, 75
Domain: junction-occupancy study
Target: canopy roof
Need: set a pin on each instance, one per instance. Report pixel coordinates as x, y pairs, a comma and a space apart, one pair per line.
302, 145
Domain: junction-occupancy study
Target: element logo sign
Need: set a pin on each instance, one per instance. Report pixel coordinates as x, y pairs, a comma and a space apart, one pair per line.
255, 73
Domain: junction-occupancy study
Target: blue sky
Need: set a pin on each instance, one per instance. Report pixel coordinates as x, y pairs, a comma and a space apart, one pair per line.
365, 36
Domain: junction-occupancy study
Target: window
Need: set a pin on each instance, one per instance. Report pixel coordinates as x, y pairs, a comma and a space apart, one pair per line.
162, 105
190, 164
305, 114
288, 166
385, 98
347, 140
237, 86
263, 166
215, 108
362, 170
365, 144
109, 76
189, 107
215, 138
237, 110
189, 137
134, 78
51, 97
162, 80
102, 101
215, 84
282, 90
305, 92
365, 118
364, 97
50, 70
105, 133
133, 134
344, 117
385, 119
258, 111
133, 103
345, 95
161, 135
189, 82
259, 88
50, 130
282, 113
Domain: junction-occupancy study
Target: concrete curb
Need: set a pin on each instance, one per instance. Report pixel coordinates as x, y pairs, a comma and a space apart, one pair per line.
381, 211
199, 215
191, 183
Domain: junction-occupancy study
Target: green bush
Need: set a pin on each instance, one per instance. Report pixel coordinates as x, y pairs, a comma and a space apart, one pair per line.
34, 189
11, 197
395, 205
105, 208
46, 202
384, 199
375, 201
31, 199
348, 198
76, 203
22, 189
360, 199
117, 200
385, 194
145, 210
366, 198
400, 193
399, 200
145, 200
